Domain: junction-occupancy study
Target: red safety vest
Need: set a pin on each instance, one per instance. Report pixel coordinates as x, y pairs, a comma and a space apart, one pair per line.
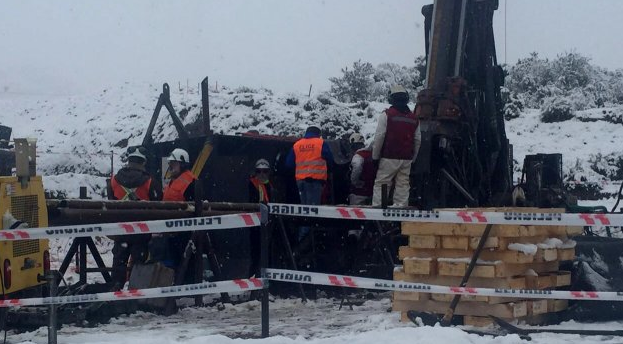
309, 161
367, 175
176, 188
399, 135
261, 188
123, 193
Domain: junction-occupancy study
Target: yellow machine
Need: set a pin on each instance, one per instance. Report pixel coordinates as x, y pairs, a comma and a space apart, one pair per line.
22, 205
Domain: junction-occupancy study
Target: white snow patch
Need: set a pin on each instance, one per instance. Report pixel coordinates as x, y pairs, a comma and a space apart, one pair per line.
550, 243
527, 249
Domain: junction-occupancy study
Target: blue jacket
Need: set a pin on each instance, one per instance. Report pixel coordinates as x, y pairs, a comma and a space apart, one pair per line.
326, 153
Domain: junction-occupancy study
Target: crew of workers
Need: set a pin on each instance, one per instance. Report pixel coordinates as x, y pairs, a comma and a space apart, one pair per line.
386, 160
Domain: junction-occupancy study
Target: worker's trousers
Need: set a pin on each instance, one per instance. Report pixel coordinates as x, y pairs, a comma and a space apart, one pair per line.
393, 171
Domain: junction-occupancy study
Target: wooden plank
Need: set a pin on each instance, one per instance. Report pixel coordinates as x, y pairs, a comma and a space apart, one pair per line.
537, 307
475, 298
505, 241
410, 296
563, 278
424, 241
448, 268
546, 255
557, 305
461, 229
507, 270
503, 310
414, 266
543, 281
455, 242
450, 281
505, 256
491, 242
566, 254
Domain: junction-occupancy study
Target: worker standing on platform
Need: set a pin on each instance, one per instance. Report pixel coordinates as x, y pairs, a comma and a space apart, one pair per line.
396, 144
132, 182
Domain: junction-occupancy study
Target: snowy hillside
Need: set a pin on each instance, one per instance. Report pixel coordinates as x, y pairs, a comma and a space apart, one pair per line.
77, 135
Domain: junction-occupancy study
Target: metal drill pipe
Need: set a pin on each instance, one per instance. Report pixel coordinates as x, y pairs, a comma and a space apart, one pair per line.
68, 216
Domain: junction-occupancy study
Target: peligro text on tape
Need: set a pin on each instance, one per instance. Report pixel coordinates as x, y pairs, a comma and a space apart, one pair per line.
133, 294
294, 276
127, 228
447, 216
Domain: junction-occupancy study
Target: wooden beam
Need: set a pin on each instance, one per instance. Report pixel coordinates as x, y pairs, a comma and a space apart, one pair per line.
502, 310
514, 257
451, 281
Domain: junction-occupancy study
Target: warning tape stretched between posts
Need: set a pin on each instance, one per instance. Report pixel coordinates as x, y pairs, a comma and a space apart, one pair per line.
127, 228
445, 216
236, 285
294, 276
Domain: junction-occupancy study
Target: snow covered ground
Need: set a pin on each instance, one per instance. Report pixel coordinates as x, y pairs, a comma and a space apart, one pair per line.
290, 322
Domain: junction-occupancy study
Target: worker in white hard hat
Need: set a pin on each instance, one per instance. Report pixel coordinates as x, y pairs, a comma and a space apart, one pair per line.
396, 144
260, 190
260, 187
362, 171
131, 183
180, 186
169, 248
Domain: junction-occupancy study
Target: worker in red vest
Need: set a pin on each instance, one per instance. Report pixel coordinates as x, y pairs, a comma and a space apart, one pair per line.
132, 182
362, 171
396, 144
310, 157
260, 187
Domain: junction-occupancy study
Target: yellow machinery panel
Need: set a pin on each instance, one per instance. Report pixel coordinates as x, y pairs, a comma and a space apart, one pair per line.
22, 261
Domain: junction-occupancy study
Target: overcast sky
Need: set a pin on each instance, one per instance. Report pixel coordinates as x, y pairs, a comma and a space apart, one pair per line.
78, 46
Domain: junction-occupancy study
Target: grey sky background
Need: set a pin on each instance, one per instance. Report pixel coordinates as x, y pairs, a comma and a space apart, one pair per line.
80, 46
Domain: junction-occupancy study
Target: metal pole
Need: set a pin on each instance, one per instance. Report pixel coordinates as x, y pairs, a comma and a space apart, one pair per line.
51, 276
264, 238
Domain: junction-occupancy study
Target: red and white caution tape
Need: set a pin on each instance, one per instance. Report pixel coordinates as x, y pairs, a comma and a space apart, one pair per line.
443, 216
236, 285
127, 228
293, 276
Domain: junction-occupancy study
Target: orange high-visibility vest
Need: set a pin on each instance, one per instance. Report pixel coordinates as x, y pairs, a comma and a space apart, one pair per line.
261, 188
123, 193
176, 188
309, 161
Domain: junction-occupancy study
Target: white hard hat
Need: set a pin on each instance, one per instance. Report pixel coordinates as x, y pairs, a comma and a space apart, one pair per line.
180, 155
356, 138
397, 89
138, 152
262, 163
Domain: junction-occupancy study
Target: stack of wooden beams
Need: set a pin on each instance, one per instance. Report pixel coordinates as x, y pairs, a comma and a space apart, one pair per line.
514, 257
